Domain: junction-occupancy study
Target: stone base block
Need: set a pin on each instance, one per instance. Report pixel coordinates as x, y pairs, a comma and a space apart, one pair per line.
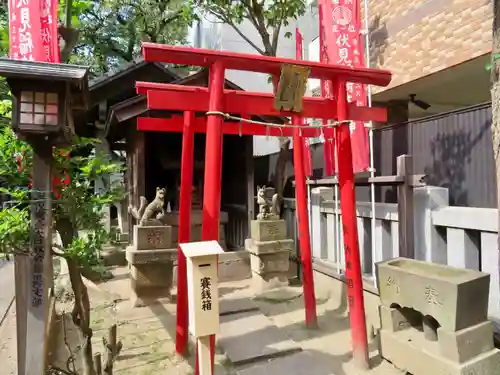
459, 347
393, 320
262, 247
263, 283
151, 274
234, 265
152, 237
408, 350
275, 262
466, 344
268, 230
149, 296
135, 257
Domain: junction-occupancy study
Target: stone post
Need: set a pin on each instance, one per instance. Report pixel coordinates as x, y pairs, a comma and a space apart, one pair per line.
151, 261
319, 226
101, 183
429, 244
269, 254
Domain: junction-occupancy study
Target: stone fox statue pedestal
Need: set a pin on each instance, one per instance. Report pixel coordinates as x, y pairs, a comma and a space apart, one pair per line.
151, 256
269, 254
151, 261
268, 244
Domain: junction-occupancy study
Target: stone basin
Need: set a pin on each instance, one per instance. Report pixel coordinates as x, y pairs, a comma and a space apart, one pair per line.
456, 298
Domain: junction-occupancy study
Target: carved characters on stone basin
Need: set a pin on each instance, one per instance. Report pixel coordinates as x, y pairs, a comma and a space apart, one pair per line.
392, 282
431, 295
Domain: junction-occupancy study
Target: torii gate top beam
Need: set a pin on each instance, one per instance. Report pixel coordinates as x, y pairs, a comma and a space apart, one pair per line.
262, 64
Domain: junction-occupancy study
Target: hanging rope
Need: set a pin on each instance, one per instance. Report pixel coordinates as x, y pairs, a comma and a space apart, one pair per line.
227, 116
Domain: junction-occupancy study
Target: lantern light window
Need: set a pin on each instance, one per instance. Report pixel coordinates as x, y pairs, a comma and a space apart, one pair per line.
38, 108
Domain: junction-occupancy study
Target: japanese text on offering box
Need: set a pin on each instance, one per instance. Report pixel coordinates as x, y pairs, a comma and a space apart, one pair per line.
206, 293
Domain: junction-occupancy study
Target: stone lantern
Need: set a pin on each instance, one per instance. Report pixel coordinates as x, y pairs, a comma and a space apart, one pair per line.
44, 98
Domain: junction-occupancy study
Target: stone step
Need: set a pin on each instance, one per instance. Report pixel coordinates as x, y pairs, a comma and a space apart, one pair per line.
232, 306
250, 336
302, 363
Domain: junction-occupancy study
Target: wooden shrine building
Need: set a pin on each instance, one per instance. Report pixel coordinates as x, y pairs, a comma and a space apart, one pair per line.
153, 158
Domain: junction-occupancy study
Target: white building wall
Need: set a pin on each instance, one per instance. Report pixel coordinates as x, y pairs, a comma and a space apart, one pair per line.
219, 36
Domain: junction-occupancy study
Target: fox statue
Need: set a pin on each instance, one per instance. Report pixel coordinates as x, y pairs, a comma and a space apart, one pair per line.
150, 214
269, 209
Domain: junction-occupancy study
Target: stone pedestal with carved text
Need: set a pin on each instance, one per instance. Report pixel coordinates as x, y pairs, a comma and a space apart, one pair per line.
151, 261
434, 319
269, 254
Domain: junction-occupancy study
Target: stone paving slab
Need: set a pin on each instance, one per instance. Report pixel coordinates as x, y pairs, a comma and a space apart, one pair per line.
251, 336
301, 363
236, 305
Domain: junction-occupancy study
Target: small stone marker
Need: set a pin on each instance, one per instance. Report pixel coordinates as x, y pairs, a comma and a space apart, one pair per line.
203, 296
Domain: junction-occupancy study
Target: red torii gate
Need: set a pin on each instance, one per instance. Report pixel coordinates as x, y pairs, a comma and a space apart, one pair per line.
215, 102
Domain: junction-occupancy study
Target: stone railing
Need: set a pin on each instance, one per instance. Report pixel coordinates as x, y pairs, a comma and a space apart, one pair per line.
458, 236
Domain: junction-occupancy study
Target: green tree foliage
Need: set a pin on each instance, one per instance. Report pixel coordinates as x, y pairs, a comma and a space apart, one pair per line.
268, 17
76, 208
111, 31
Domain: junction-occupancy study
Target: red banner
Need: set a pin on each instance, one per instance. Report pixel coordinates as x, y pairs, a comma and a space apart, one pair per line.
25, 30
49, 34
341, 24
326, 92
305, 142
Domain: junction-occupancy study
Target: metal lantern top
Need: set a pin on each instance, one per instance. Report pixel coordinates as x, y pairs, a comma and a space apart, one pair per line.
44, 96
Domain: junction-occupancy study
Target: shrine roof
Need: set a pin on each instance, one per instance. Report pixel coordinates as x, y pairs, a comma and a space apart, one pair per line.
117, 86
127, 68
74, 75
137, 105
262, 64
123, 78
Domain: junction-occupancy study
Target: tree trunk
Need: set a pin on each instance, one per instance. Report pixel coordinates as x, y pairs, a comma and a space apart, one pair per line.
280, 176
495, 102
81, 315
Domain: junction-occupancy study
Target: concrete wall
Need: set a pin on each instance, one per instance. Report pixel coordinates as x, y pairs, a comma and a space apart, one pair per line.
462, 237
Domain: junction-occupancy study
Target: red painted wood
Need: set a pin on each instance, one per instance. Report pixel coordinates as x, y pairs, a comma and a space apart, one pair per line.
257, 63
192, 98
187, 167
349, 224
213, 171
303, 226
174, 124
